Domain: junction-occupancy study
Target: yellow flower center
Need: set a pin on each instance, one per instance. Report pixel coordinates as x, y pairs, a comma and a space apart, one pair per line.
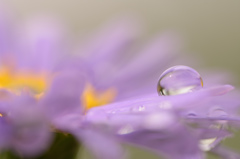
15, 80
92, 98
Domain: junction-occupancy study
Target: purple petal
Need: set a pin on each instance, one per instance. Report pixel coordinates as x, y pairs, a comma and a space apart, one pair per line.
63, 97
28, 129
68, 122
178, 102
152, 61
7, 45
225, 153
159, 132
178, 143
103, 146
42, 44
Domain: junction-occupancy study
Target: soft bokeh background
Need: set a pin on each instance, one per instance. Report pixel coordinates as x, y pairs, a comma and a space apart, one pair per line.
211, 28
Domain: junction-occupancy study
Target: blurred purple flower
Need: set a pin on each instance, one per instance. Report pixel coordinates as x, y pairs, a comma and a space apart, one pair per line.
93, 80
29, 52
28, 61
162, 124
23, 126
181, 126
25, 64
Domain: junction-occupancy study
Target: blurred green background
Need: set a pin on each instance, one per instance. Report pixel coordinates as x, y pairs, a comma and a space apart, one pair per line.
211, 28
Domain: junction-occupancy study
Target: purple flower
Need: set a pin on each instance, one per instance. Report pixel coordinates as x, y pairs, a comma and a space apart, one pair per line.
175, 126
26, 64
29, 62
23, 126
162, 124
183, 124
83, 83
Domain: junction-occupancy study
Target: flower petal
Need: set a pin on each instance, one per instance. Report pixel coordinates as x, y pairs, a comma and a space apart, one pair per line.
63, 96
103, 146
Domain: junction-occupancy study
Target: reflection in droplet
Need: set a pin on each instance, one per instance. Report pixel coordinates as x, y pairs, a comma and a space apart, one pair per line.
178, 80
221, 114
207, 144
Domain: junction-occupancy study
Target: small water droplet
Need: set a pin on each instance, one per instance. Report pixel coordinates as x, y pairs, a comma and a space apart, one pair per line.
191, 115
113, 112
141, 108
179, 80
125, 130
165, 105
219, 113
159, 121
137, 109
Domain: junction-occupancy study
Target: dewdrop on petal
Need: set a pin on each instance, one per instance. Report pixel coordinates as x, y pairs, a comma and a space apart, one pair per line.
179, 80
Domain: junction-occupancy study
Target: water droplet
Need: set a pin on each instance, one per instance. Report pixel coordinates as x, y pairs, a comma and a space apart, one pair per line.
159, 121
137, 109
113, 112
179, 80
221, 114
191, 115
207, 144
217, 112
125, 130
165, 105
141, 108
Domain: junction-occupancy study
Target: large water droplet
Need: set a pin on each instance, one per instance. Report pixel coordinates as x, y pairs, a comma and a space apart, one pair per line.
178, 80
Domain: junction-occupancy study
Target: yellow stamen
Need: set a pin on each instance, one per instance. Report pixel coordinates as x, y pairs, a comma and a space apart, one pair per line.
15, 80
92, 98
1, 115
38, 96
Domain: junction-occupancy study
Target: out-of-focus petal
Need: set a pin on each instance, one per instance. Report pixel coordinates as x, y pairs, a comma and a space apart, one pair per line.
102, 146
5, 133
153, 122
225, 153
155, 57
177, 144
155, 102
159, 132
109, 43
63, 96
41, 44
28, 130
6, 33
68, 122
